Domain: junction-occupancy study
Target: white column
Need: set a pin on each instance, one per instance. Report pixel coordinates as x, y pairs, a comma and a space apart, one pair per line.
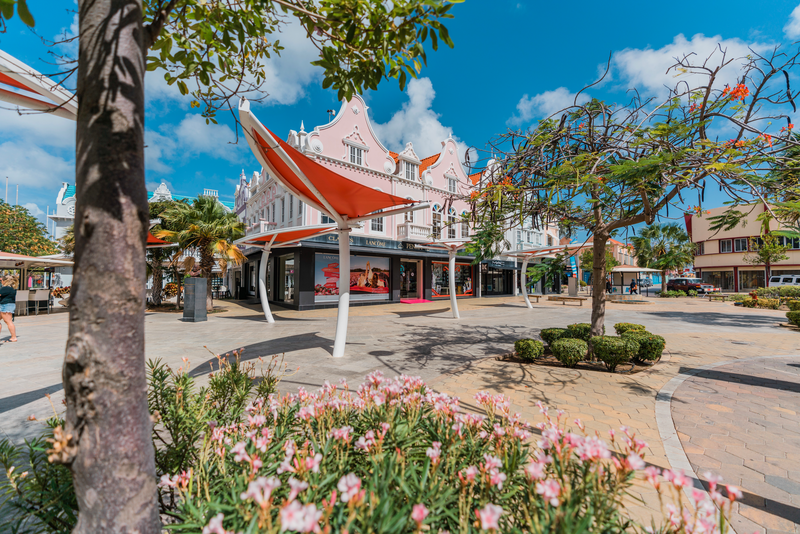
344, 293
262, 285
452, 278
523, 276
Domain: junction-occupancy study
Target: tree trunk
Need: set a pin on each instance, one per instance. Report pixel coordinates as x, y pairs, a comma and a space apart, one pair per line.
206, 267
178, 283
598, 283
108, 443
158, 283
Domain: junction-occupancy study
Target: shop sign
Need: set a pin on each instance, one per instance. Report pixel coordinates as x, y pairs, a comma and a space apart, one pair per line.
369, 277
368, 242
500, 264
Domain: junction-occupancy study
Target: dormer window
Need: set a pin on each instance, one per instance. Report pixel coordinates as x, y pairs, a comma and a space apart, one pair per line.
412, 171
355, 155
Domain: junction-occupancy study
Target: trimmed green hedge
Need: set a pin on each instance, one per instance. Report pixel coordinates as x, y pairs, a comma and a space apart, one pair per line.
569, 351
672, 294
793, 305
528, 349
581, 331
549, 335
651, 346
783, 292
769, 304
794, 317
613, 351
621, 328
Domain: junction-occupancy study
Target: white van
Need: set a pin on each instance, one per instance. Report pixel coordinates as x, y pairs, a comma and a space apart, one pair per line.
784, 280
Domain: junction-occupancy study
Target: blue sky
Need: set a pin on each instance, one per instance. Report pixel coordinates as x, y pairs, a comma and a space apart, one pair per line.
513, 62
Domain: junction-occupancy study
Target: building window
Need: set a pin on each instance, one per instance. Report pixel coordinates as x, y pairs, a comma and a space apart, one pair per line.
464, 229
519, 240
411, 171
291, 206
437, 225
791, 242
725, 245
324, 219
355, 155
376, 225
740, 244
283, 209
273, 212
299, 208
549, 241
701, 249
451, 185
451, 224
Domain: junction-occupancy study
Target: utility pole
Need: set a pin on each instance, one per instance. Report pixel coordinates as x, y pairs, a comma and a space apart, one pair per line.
6, 189
17, 201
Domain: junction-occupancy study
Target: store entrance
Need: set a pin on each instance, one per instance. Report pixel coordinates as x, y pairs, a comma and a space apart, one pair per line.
410, 271
496, 281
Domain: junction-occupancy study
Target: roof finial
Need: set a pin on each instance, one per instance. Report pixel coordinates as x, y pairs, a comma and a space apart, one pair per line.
302, 127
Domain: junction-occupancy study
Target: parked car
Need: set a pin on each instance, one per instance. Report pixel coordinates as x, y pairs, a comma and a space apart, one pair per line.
686, 284
784, 280
644, 282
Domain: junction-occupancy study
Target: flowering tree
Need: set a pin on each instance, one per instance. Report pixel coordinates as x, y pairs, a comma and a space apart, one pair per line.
603, 167
21, 233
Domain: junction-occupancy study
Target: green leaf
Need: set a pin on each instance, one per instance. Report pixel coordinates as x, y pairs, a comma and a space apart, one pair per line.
25, 15
7, 9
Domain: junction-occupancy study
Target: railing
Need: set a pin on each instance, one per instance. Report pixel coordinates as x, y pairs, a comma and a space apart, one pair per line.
413, 232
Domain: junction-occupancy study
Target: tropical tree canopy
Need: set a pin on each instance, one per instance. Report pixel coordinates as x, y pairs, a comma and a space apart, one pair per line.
21, 233
658, 244
587, 260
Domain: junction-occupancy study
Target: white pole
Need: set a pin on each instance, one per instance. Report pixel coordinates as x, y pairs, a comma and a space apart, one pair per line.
344, 292
524, 279
452, 279
262, 285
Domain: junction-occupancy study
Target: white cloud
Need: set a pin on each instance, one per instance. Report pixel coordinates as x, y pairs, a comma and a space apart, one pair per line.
41, 129
34, 209
33, 167
648, 69
543, 105
792, 28
417, 123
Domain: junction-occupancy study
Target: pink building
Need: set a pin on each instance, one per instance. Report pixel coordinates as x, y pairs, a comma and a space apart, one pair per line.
386, 264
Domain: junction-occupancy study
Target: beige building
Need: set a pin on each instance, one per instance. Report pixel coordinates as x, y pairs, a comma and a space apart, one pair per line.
720, 257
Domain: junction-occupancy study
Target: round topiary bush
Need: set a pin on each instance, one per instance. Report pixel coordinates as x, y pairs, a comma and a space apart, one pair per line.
794, 317
651, 346
581, 331
569, 351
613, 351
528, 349
621, 328
793, 305
549, 335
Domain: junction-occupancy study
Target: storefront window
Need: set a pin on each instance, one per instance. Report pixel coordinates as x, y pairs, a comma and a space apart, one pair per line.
749, 280
441, 279
720, 279
286, 278
370, 278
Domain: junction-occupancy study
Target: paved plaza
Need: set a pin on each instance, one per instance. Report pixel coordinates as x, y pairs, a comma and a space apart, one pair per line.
725, 398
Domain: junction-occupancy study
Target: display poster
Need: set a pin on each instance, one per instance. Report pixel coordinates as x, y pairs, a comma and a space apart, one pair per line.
440, 280
369, 277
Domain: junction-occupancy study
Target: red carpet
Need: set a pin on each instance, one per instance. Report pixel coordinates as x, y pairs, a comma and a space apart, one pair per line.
414, 301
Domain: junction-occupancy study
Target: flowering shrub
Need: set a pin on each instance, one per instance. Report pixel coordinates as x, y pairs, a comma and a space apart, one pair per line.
613, 351
570, 351
549, 335
170, 290
621, 328
651, 346
793, 305
770, 304
528, 349
793, 317
59, 292
782, 292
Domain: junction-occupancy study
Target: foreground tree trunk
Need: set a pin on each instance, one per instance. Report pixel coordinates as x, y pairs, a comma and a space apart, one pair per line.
107, 440
598, 283
158, 283
206, 267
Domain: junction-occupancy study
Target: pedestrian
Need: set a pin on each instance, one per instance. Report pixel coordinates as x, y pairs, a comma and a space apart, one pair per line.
633, 287
8, 304
608, 286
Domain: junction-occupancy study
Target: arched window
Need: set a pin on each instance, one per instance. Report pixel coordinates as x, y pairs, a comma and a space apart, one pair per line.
451, 223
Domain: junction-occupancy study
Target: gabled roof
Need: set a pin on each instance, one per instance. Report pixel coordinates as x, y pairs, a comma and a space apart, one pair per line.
395, 156
69, 192
475, 178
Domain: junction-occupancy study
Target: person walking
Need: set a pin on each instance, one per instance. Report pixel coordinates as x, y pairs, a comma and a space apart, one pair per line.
608, 286
634, 289
8, 304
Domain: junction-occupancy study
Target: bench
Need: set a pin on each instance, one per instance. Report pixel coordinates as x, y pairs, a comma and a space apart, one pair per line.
564, 300
711, 297
537, 297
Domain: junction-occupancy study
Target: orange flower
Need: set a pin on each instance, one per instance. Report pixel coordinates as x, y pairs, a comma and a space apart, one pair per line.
474, 195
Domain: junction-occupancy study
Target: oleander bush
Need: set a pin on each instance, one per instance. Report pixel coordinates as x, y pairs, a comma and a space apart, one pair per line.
793, 305
528, 349
612, 350
390, 456
621, 328
549, 335
570, 351
793, 317
651, 346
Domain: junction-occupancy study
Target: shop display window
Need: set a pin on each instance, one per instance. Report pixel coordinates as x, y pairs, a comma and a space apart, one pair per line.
441, 279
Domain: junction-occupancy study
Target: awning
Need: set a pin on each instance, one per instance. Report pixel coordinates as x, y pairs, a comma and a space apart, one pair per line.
627, 269
154, 242
22, 86
9, 260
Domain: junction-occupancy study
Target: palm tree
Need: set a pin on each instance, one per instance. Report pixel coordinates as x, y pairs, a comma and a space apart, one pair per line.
207, 227
663, 246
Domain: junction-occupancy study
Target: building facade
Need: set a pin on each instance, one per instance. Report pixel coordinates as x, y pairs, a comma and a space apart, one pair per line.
720, 255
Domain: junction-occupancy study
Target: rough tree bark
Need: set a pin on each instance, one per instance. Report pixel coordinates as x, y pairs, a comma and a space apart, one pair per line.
107, 435
206, 267
158, 275
598, 282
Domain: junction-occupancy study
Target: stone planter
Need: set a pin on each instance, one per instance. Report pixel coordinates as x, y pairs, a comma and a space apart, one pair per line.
194, 300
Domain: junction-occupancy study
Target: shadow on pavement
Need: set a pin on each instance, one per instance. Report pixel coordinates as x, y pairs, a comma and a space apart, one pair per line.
746, 380
719, 319
15, 401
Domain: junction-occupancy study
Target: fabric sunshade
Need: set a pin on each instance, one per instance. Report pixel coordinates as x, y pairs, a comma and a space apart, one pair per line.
284, 236
154, 242
19, 76
346, 196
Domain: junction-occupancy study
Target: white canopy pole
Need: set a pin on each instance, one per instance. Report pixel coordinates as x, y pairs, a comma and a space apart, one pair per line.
452, 277
344, 292
524, 280
262, 286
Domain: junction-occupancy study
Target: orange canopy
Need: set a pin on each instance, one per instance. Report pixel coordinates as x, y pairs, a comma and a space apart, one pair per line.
154, 242
285, 236
345, 196
16, 76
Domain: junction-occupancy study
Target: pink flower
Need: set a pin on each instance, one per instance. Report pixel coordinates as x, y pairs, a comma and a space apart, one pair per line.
239, 452
342, 433
497, 478
434, 452
419, 513
470, 473
550, 490
260, 490
489, 516
312, 463
492, 462
215, 525
635, 462
734, 493
535, 471
349, 485
366, 442
592, 449
652, 476
677, 478
297, 486
299, 518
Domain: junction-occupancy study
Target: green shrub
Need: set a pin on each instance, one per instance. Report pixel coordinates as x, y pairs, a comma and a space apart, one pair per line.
737, 297
793, 305
582, 283
528, 349
784, 292
672, 294
692, 293
794, 317
570, 351
651, 346
680, 293
770, 304
613, 351
749, 302
581, 331
549, 335
621, 328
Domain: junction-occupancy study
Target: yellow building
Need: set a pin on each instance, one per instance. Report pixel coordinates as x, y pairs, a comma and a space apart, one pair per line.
720, 256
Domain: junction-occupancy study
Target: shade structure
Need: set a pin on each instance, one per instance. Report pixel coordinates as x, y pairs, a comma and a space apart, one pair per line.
22, 86
9, 260
344, 200
627, 269
154, 242
528, 255
285, 237
452, 246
